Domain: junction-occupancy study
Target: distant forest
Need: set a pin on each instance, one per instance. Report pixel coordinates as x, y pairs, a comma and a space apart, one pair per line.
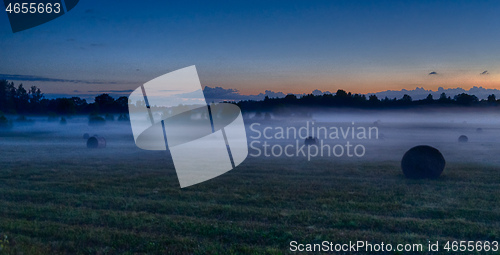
346, 99
19, 100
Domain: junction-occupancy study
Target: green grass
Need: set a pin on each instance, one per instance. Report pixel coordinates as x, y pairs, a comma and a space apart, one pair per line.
104, 202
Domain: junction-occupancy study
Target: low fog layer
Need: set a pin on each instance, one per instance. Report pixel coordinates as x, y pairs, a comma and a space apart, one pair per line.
396, 132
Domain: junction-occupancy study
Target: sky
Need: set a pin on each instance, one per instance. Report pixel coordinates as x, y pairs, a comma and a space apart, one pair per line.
253, 46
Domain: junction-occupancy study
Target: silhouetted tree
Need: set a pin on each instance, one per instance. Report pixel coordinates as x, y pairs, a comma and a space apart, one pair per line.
35, 98
341, 93
492, 98
406, 99
466, 99
5, 95
429, 98
35, 95
21, 99
341, 97
104, 102
373, 100
443, 99
290, 97
121, 104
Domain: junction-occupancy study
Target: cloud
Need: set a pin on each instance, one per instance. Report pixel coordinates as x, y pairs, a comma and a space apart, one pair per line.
433, 73
217, 94
221, 93
111, 91
318, 92
484, 72
19, 77
272, 94
60, 95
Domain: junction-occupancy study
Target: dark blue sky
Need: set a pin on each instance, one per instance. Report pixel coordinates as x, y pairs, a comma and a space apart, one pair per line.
252, 46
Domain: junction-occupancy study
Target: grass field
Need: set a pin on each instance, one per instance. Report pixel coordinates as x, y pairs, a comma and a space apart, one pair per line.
58, 197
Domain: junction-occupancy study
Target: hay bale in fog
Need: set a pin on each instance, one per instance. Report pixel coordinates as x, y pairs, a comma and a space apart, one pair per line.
463, 139
25, 120
479, 130
267, 116
96, 120
95, 142
5, 123
311, 140
258, 115
86, 136
63, 121
423, 162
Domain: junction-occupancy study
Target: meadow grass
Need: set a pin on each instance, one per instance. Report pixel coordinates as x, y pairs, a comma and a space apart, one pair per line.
103, 203
58, 197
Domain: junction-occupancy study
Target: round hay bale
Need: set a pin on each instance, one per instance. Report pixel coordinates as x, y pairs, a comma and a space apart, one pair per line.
96, 142
95, 120
463, 139
86, 136
310, 140
4, 123
479, 130
63, 121
268, 116
258, 115
423, 162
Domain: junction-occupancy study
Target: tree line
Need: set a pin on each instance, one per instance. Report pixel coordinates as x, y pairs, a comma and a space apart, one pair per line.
19, 100
347, 99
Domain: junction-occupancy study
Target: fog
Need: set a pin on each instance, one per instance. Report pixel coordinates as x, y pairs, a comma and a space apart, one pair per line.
400, 130
41, 139
396, 132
